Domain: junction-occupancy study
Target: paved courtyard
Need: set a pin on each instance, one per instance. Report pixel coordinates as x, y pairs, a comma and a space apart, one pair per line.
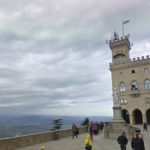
78, 143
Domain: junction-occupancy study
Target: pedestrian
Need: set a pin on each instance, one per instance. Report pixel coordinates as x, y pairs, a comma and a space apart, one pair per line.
134, 141
42, 148
88, 143
144, 126
95, 127
98, 127
90, 123
122, 140
91, 131
141, 143
101, 126
77, 129
74, 128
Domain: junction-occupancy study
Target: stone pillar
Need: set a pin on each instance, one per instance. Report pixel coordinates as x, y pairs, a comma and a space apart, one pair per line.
131, 119
144, 117
117, 115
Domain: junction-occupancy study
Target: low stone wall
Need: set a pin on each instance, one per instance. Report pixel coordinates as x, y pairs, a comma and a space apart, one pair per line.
26, 140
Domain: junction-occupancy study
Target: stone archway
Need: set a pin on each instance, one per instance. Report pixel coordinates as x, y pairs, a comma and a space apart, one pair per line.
148, 116
125, 115
137, 117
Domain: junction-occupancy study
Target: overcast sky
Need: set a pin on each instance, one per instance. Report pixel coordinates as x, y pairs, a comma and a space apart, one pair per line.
54, 59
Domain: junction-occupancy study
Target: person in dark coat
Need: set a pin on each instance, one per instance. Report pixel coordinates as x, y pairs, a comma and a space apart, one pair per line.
74, 128
123, 141
141, 143
134, 141
144, 126
101, 125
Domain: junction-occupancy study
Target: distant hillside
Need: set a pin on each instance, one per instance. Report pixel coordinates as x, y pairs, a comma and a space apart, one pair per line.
31, 124
21, 130
28, 120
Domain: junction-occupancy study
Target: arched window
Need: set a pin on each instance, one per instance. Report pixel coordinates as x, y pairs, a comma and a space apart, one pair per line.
134, 85
122, 87
147, 84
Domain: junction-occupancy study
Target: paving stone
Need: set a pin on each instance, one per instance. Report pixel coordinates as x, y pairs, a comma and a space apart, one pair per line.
78, 143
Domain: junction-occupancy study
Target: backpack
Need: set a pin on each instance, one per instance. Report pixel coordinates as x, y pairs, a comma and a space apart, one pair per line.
87, 146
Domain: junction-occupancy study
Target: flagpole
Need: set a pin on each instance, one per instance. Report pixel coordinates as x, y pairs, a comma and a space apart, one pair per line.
122, 28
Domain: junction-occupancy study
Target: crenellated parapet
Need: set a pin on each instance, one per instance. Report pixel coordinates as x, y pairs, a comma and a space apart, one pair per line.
120, 43
130, 63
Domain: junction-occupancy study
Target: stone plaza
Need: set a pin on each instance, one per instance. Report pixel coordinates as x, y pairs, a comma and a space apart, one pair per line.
78, 143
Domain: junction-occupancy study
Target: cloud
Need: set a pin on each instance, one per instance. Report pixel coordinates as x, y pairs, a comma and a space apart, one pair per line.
53, 55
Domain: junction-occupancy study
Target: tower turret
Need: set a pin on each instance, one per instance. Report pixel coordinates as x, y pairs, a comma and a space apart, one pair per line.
120, 48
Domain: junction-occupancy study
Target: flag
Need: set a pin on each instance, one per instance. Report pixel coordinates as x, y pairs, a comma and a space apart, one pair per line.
125, 21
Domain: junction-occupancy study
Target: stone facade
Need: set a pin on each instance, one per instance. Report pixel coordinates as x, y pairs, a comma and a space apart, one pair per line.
127, 74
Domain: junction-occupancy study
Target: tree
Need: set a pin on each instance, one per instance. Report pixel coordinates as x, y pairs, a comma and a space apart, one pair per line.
85, 122
57, 125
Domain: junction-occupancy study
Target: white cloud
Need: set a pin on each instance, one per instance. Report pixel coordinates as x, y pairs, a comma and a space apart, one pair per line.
53, 56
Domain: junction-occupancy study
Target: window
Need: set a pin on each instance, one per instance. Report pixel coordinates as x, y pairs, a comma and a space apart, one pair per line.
123, 101
147, 84
134, 85
145, 69
147, 100
133, 71
121, 73
122, 86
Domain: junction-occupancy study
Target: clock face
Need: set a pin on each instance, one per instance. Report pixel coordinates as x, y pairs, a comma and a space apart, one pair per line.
119, 58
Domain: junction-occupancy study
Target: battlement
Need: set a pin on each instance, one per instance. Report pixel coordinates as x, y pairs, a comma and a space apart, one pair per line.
118, 39
131, 61
138, 58
119, 42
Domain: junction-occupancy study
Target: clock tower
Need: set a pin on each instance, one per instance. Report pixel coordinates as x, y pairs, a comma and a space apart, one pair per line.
120, 49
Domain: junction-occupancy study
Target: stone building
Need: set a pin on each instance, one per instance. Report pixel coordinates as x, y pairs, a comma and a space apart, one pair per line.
132, 79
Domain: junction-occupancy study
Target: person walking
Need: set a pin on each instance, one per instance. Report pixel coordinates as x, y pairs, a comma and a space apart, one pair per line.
74, 128
91, 131
141, 143
90, 123
101, 125
123, 141
88, 143
144, 126
134, 141
95, 127
98, 127
77, 129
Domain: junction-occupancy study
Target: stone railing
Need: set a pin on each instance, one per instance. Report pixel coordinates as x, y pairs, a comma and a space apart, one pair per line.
135, 91
26, 140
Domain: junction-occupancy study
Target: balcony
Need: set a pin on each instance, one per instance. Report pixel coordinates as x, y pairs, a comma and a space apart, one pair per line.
135, 92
